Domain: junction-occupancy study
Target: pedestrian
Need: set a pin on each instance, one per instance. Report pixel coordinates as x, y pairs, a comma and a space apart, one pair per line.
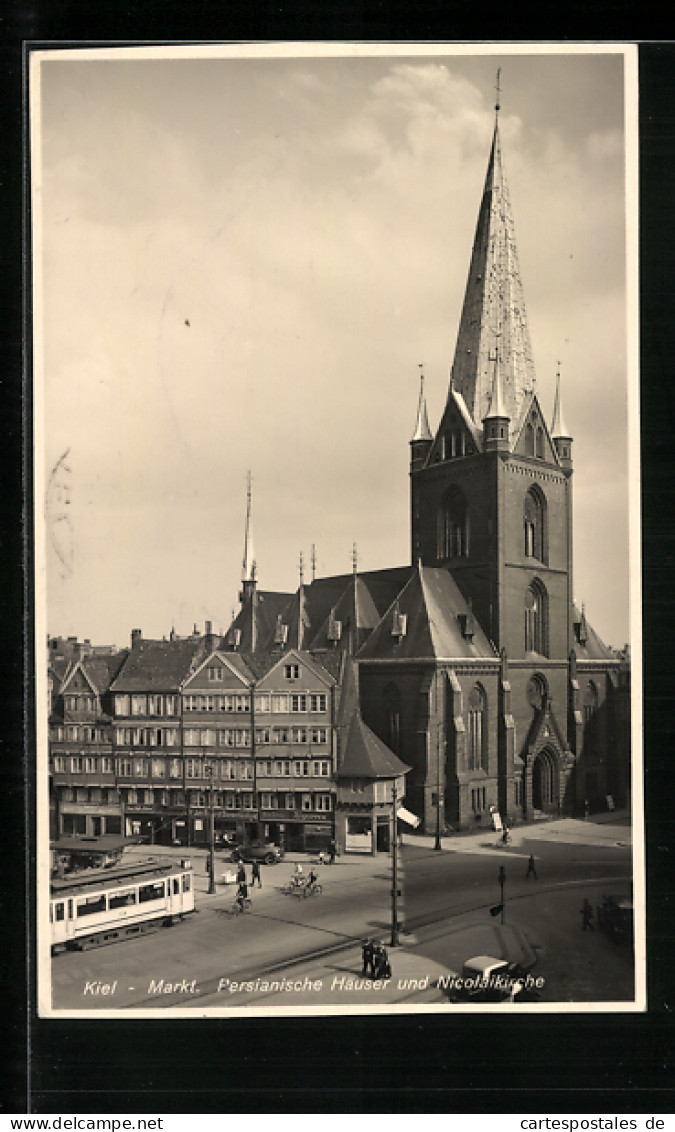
331, 853
531, 868
505, 836
586, 917
587, 810
255, 874
241, 873
382, 968
367, 955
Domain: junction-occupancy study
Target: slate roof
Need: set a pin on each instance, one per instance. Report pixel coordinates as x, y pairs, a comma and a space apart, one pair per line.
158, 665
375, 591
356, 611
593, 649
266, 607
366, 756
102, 670
431, 602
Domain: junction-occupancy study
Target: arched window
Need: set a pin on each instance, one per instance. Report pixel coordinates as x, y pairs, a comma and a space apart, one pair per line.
537, 691
453, 526
536, 619
590, 701
540, 443
529, 441
392, 711
477, 729
534, 520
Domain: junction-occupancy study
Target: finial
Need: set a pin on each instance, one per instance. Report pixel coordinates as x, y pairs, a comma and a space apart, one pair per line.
355, 559
313, 563
302, 569
499, 90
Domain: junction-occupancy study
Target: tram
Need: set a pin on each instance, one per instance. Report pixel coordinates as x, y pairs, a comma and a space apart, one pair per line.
101, 906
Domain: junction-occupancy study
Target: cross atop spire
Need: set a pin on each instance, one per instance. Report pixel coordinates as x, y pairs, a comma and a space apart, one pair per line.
499, 91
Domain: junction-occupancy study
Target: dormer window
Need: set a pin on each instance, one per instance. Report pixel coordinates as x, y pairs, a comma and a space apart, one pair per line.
292, 671
399, 625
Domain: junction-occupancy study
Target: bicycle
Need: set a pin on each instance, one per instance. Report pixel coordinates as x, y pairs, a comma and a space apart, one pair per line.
240, 906
312, 890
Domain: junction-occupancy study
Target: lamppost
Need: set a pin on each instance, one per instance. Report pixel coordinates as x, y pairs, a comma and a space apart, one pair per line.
394, 867
439, 796
208, 773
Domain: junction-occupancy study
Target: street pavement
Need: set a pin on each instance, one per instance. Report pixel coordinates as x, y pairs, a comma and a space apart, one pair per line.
444, 912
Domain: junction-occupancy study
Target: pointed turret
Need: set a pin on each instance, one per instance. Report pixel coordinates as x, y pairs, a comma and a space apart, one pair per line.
494, 306
496, 422
560, 435
421, 439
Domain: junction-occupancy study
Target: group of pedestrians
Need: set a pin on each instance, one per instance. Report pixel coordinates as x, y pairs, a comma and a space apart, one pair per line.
376, 963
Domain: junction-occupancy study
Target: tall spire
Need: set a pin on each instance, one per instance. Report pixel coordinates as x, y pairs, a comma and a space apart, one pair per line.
494, 303
422, 430
248, 565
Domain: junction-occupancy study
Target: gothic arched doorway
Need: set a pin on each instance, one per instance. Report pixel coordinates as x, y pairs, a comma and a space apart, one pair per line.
546, 782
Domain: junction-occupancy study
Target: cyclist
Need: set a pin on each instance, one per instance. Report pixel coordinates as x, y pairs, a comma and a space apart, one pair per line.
311, 880
242, 895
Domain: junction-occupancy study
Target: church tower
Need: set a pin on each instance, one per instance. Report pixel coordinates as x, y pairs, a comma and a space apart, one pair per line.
491, 491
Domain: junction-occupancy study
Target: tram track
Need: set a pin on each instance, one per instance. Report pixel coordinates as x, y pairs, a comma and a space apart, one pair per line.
270, 971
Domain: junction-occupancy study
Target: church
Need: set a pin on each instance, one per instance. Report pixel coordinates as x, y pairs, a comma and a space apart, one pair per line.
470, 672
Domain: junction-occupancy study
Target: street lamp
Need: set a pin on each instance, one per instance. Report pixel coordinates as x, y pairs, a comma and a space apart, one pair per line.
208, 773
437, 842
394, 868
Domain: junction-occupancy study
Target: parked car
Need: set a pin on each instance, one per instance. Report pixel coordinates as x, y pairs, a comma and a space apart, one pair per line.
487, 979
263, 851
615, 917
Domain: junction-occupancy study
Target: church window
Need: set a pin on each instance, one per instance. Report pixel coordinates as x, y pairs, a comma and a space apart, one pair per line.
590, 701
537, 691
534, 520
392, 708
529, 441
540, 443
477, 729
536, 619
453, 526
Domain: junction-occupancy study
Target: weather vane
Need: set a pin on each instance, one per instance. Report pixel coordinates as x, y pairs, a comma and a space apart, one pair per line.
498, 89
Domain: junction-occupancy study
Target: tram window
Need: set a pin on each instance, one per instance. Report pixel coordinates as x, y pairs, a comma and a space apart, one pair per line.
59, 911
90, 905
187, 885
176, 886
122, 899
150, 892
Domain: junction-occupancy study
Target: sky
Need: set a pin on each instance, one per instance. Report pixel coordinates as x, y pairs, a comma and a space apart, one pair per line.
241, 263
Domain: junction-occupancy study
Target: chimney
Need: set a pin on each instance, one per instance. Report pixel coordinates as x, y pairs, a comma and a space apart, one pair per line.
136, 635
209, 639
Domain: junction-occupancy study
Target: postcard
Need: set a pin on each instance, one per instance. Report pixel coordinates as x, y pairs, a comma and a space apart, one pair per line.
338, 644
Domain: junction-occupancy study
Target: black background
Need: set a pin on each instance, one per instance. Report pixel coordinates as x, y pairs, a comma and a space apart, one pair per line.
560, 1063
